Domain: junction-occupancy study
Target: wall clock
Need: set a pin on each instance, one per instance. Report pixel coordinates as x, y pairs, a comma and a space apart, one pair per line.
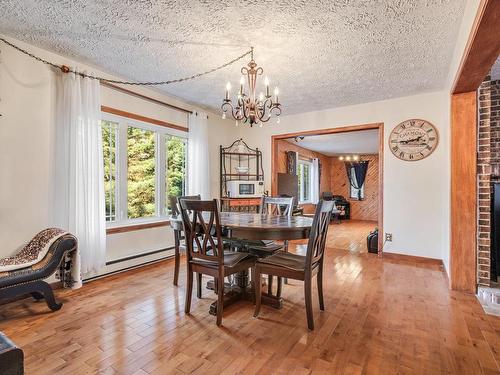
413, 140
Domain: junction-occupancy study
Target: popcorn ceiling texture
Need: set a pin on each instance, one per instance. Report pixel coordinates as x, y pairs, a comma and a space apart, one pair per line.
322, 54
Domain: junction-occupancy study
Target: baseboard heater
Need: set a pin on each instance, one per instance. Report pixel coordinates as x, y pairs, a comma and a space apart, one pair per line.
141, 255
132, 257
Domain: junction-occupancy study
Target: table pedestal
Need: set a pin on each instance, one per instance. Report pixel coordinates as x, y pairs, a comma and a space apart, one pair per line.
242, 291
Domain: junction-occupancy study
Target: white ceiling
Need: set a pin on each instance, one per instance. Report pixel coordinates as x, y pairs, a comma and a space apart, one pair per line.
322, 54
359, 142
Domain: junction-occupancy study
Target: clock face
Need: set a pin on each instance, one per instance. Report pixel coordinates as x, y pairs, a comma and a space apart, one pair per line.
413, 140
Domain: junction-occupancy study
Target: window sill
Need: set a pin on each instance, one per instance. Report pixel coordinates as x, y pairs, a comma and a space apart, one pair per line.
130, 227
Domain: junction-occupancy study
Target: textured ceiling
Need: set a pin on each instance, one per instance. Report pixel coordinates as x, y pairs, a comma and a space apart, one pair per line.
360, 142
321, 53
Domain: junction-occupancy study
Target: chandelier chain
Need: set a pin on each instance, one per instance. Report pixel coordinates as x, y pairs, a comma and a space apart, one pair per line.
66, 69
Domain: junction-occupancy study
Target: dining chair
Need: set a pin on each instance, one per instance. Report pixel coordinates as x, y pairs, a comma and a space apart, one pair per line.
281, 206
205, 249
178, 232
299, 267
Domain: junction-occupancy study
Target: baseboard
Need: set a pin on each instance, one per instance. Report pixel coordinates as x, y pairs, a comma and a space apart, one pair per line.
413, 259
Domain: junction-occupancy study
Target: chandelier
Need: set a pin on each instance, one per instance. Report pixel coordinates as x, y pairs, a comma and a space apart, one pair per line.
249, 107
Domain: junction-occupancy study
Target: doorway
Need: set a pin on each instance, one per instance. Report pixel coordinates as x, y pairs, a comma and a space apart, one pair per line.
361, 209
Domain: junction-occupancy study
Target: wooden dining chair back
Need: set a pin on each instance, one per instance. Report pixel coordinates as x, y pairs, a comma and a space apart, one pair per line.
299, 267
280, 206
178, 229
199, 229
205, 249
319, 232
276, 206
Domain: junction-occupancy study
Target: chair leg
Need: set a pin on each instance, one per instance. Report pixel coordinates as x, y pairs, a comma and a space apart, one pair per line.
286, 251
319, 278
220, 298
198, 285
177, 256
270, 285
189, 289
308, 299
258, 296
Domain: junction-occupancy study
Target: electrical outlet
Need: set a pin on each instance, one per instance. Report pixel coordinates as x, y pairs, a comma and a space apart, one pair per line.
388, 237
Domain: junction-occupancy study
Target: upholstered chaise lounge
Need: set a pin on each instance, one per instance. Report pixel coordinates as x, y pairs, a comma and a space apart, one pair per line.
50, 251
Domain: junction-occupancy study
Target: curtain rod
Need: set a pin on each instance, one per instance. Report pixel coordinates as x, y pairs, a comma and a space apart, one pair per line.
136, 94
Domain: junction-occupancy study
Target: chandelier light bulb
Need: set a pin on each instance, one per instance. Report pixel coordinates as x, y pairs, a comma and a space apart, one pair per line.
348, 158
252, 107
341, 158
355, 157
277, 120
236, 123
224, 115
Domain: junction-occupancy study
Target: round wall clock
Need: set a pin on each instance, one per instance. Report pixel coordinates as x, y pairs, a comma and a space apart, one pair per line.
413, 140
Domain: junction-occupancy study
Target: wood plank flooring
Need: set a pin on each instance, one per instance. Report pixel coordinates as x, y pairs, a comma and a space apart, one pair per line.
383, 316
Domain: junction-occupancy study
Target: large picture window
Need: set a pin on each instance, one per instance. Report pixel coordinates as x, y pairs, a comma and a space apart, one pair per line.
143, 165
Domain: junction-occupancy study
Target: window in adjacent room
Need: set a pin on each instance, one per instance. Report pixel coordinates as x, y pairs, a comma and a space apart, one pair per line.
143, 165
356, 193
304, 174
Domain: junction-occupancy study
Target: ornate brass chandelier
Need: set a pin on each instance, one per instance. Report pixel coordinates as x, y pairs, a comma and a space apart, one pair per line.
249, 108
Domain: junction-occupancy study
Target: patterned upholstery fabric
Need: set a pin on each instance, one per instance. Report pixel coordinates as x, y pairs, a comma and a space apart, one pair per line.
60, 257
34, 251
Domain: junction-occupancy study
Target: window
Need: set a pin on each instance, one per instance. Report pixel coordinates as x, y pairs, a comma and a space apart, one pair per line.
304, 173
143, 165
109, 140
358, 194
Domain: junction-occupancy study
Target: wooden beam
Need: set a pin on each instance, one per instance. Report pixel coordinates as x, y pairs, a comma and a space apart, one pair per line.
149, 120
483, 48
463, 192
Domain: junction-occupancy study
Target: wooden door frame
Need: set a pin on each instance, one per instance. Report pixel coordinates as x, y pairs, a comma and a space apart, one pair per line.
343, 129
482, 49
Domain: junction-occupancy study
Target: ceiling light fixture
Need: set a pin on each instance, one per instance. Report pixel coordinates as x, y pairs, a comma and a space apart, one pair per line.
249, 108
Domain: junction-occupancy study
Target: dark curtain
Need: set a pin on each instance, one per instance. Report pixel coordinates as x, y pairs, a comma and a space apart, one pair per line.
356, 173
291, 162
319, 175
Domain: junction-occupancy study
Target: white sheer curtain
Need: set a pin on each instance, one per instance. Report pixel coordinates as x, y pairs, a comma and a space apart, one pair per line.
198, 156
78, 202
315, 181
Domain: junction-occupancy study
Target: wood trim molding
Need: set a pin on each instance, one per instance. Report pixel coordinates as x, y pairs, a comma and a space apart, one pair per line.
141, 96
344, 129
131, 228
482, 49
463, 205
414, 259
149, 120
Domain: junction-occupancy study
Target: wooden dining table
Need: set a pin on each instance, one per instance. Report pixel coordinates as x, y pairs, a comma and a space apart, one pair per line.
250, 226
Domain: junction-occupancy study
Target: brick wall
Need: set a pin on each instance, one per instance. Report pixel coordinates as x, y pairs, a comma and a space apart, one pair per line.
488, 168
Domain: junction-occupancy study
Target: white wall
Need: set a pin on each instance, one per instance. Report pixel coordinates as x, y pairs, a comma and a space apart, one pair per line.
416, 211
27, 98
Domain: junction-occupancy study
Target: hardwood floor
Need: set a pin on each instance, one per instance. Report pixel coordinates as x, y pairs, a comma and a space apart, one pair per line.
349, 235
383, 316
